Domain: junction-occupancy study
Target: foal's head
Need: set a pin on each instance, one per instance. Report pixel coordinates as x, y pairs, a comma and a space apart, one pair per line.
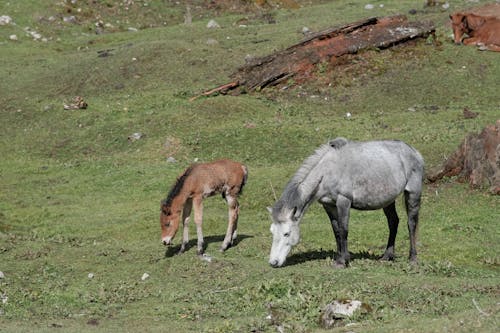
460, 26
169, 222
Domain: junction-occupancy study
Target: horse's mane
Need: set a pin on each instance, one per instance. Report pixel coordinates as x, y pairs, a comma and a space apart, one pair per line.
176, 189
293, 196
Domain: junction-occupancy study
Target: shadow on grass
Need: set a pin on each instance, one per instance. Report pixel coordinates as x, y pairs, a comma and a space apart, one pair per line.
173, 250
300, 258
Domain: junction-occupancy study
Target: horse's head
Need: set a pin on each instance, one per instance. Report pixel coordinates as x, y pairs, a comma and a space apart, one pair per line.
169, 222
286, 233
459, 25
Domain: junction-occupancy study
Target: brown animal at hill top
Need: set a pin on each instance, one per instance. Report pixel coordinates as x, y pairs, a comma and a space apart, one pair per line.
480, 30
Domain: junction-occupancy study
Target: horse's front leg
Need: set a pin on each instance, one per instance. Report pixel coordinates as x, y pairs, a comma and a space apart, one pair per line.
334, 221
198, 219
186, 212
343, 206
233, 205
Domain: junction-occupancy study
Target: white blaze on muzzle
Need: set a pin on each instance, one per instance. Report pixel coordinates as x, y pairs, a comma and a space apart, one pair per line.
285, 235
167, 240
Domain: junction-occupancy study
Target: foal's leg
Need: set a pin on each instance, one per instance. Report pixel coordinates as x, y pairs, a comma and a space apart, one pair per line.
198, 219
232, 202
393, 222
412, 201
185, 222
343, 211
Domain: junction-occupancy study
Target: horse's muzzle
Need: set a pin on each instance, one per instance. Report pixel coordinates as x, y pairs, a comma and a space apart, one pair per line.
167, 241
274, 263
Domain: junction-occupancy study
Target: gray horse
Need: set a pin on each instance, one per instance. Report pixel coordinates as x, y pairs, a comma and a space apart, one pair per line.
346, 174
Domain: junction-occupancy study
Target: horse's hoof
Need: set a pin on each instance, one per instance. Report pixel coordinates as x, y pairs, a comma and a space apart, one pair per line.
337, 265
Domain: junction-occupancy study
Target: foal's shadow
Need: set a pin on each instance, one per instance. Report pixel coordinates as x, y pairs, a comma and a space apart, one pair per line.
173, 250
299, 258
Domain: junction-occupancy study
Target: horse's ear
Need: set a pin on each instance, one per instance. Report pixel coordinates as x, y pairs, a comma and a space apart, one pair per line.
338, 142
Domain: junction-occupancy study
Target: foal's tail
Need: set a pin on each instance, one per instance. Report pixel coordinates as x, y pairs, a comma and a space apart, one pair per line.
245, 178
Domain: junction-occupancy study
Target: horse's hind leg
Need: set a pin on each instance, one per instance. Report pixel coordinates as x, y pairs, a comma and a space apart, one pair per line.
393, 222
412, 202
232, 225
198, 219
185, 223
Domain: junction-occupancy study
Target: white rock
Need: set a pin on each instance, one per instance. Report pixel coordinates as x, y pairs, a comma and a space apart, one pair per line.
132, 29
305, 30
212, 24
369, 6
13, 37
144, 276
206, 257
90, 276
446, 5
2, 275
5, 19
4, 298
348, 115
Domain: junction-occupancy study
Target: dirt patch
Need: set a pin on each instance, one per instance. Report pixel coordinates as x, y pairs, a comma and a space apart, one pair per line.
476, 161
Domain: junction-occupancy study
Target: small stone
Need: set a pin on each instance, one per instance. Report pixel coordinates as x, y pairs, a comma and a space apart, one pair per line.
2, 275
5, 19
144, 276
90, 276
212, 24
131, 29
135, 136
13, 37
170, 159
369, 6
305, 30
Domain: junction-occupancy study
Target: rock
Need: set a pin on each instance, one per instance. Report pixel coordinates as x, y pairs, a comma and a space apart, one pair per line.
2, 275
338, 310
5, 19
212, 24
212, 42
13, 37
170, 159
135, 136
78, 103
145, 276
132, 29
90, 275
369, 6
69, 19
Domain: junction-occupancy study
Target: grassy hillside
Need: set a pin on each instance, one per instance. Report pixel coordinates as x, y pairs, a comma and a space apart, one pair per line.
78, 198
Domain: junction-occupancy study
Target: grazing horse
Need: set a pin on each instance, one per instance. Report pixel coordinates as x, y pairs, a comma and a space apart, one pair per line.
196, 183
346, 174
479, 29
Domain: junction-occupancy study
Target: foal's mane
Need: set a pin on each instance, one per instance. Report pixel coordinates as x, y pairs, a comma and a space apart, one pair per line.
293, 195
176, 189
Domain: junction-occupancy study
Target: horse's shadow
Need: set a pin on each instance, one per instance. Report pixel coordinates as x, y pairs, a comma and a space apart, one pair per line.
300, 258
174, 250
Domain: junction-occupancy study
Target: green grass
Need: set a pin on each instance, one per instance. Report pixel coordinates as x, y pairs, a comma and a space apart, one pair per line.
76, 197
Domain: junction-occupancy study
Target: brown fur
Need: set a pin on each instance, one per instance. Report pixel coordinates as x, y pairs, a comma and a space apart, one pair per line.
479, 29
196, 183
